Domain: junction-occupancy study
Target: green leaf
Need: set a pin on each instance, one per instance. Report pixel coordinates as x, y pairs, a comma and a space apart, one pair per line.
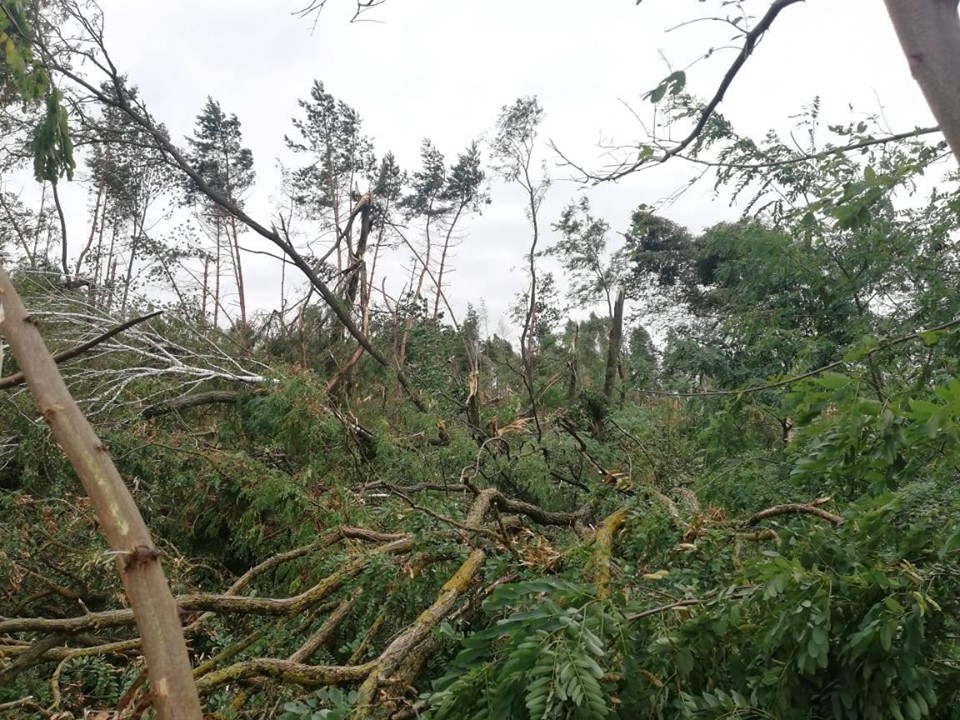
833, 381
673, 84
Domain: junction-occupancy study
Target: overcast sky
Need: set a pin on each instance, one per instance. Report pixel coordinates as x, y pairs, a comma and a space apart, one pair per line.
442, 70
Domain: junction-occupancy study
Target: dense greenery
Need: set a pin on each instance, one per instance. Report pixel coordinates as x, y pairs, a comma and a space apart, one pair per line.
757, 517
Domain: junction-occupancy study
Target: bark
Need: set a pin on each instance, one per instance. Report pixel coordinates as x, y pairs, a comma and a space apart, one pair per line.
225, 397
288, 672
222, 603
171, 678
238, 275
63, 232
95, 217
396, 652
929, 33
794, 509
572, 368
613, 346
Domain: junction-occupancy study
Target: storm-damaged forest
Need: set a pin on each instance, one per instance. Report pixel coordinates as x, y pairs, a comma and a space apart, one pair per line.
692, 472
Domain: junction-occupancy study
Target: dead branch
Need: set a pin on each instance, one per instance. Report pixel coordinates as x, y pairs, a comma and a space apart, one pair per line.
750, 42
212, 602
390, 659
325, 631
738, 594
536, 513
61, 357
813, 156
122, 100
290, 672
582, 448
419, 487
601, 559
224, 397
30, 656
793, 509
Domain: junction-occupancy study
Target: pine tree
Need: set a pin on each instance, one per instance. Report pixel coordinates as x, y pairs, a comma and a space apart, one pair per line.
226, 167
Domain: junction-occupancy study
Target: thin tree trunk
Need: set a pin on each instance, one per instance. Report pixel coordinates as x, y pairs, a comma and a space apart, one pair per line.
408, 325
111, 279
216, 280
112, 264
572, 372
530, 322
99, 274
443, 260
93, 227
36, 237
18, 230
134, 243
63, 232
206, 289
238, 272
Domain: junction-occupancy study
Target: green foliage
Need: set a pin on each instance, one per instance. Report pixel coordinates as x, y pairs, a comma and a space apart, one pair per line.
672, 84
332, 704
535, 663
218, 155
52, 146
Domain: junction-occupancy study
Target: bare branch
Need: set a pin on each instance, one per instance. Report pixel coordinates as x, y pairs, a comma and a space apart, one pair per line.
794, 509
750, 41
62, 357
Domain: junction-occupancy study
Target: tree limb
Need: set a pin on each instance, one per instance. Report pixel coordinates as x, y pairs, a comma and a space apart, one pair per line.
794, 509
749, 45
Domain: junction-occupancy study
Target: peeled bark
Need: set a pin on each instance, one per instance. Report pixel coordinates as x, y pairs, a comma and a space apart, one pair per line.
929, 32
171, 677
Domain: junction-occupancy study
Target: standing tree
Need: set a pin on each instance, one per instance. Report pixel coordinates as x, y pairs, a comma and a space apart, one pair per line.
514, 147
441, 199
331, 187
226, 167
129, 177
464, 193
595, 273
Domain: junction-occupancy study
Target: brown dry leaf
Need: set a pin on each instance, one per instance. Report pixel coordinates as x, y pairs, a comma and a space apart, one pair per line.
513, 426
540, 554
695, 528
619, 480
